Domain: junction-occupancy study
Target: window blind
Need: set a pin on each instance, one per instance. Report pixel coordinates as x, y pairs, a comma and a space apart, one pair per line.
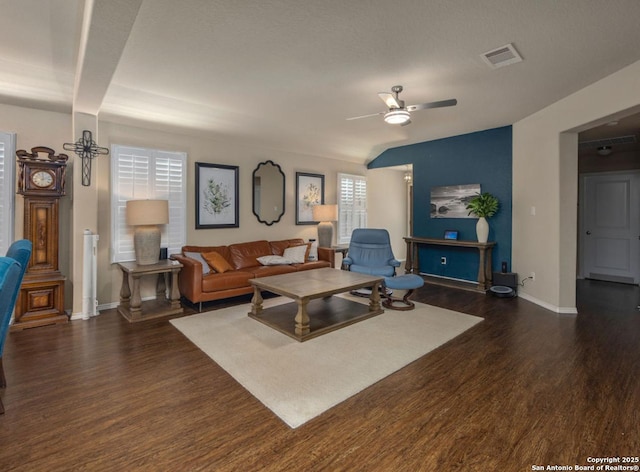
140, 174
7, 189
352, 205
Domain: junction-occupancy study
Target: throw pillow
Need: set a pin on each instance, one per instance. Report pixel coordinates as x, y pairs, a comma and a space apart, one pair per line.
297, 254
273, 260
217, 262
313, 250
308, 251
198, 257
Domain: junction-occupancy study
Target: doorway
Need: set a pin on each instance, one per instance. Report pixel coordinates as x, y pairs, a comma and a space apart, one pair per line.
608, 201
609, 231
608, 209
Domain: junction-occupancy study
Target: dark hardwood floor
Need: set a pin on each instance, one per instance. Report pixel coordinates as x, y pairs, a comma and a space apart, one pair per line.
525, 387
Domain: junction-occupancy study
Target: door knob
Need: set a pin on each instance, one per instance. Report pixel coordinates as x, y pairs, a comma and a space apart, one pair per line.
588, 232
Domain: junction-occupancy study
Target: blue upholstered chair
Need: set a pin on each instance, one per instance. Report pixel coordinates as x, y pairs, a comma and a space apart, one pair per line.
19, 250
370, 253
9, 280
12, 269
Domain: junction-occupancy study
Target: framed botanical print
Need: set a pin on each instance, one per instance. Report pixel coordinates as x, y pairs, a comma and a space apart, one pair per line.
309, 192
217, 196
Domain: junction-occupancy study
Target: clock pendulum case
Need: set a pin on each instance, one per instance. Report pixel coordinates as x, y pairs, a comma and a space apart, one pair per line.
41, 181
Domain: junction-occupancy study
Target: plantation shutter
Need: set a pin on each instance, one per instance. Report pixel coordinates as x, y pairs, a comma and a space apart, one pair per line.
140, 174
352, 205
7, 190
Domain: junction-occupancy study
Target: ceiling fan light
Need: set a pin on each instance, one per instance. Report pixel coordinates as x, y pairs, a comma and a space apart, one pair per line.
397, 117
604, 150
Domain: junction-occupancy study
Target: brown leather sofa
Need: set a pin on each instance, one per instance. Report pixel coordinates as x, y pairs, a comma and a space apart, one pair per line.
198, 287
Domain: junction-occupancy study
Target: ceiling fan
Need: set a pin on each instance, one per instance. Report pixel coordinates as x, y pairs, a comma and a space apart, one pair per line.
398, 113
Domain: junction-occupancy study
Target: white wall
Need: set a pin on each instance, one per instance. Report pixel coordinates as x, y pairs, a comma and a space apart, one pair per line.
387, 206
545, 177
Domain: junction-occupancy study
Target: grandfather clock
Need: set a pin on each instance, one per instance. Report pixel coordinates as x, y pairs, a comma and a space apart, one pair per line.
41, 181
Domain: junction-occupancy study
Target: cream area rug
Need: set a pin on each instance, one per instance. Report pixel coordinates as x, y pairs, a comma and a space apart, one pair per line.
299, 380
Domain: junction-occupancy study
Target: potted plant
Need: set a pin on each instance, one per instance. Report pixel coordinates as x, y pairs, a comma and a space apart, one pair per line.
484, 206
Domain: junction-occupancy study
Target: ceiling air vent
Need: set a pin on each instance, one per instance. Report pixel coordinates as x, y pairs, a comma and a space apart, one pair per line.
630, 139
502, 56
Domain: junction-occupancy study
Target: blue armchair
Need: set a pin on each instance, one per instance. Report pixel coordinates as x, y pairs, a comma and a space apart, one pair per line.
12, 269
370, 253
9, 276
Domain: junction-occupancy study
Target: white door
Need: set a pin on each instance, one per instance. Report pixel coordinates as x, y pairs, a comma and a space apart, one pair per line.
610, 229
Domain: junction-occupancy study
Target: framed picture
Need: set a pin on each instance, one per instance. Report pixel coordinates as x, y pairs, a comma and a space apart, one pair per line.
217, 200
309, 192
451, 201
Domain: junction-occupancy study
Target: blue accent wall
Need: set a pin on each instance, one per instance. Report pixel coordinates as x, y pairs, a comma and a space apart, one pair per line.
484, 158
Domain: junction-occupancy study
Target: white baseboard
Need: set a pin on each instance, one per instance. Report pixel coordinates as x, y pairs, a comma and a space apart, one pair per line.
470, 282
109, 306
543, 304
556, 309
105, 306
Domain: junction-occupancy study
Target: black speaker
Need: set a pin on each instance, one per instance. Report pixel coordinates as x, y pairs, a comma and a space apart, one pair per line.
504, 267
163, 253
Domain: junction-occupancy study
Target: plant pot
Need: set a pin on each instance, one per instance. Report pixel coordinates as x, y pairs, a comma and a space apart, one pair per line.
482, 230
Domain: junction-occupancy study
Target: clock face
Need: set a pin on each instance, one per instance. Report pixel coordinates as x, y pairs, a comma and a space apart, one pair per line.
42, 179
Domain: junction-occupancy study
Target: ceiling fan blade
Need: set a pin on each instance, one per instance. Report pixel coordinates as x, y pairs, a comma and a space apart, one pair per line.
366, 116
442, 103
389, 99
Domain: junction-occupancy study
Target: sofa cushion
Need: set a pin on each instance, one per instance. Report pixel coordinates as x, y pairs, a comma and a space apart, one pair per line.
312, 265
246, 254
222, 250
217, 262
198, 257
278, 247
297, 254
228, 280
273, 260
265, 271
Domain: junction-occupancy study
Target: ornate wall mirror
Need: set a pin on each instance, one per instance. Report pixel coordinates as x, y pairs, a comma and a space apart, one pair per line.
268, 193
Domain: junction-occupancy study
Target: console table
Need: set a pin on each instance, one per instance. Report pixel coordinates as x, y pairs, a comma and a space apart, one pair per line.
412, 263
131, 305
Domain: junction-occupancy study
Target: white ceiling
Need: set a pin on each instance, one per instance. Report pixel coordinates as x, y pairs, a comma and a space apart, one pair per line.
286, 74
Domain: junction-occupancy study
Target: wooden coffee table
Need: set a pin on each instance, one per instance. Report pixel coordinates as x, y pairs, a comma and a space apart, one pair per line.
315, 311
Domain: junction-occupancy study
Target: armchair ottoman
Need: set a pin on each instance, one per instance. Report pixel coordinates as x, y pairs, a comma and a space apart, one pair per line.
408, 282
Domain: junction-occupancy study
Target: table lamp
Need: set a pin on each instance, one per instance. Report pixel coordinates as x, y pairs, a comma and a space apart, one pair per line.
326, 215
146, 215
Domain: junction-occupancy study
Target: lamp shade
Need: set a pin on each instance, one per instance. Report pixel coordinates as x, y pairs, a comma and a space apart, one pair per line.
325, 212
147, 212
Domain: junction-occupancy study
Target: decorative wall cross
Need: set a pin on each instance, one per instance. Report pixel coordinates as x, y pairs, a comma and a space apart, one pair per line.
87, 149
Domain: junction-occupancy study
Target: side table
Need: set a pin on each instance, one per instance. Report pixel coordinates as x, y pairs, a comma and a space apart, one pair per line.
131, 305
337, 250
342, 250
